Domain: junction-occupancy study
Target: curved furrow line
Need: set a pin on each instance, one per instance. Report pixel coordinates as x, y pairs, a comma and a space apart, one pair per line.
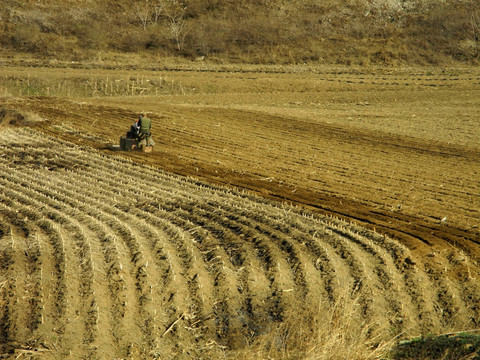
208, 241
419, 285
236, 309
82, 257
89, 307
220, 212
398, 266
185, 271
211, 210
223, 276
130, 239
305, 284
117, 221
96, 306
240, 256
145, 175
443, 299
395, 290
258, 278
230, 292
162, 185
163, 242
195, 277
309, 254
363, 286
175, 280
77, 310
298, 253
262, 251
133, 291
118, 277
57, 243
380, 272
273, 272
113, 268
379, 280
450, 300
389, 283
7, 287
25, 297
49, 220
447, 293
189, 195
109, 279
299, 261
272, 261
142, 278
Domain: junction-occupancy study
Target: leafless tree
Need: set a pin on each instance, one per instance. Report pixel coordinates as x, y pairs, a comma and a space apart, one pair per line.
158, 9
143, 12
175, 12
475, 22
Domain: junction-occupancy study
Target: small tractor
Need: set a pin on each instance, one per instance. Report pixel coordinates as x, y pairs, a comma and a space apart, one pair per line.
131, 144
137, 138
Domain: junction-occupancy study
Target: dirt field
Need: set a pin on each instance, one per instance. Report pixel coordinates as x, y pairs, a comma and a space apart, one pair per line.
139, 262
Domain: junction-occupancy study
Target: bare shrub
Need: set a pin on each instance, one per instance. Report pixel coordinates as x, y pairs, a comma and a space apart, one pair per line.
210, 36
175, 17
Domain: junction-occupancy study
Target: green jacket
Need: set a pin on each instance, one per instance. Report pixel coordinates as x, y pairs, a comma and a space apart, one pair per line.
145, 125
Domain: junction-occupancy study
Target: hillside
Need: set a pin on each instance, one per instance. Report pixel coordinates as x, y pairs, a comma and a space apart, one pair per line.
356, 32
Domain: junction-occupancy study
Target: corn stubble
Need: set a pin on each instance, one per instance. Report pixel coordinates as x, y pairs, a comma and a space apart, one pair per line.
104, 257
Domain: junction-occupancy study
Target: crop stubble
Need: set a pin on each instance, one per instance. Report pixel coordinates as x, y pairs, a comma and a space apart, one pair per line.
141, 262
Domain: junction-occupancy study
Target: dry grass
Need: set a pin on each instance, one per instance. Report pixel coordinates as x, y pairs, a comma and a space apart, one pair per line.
84, 84
3, 295
336, 332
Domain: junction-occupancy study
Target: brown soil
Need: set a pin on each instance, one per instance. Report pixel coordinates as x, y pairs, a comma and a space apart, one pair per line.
392, 153
390, 168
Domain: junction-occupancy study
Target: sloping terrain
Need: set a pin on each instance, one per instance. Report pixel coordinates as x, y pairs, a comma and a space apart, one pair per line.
101, 257
107, 254
397, 153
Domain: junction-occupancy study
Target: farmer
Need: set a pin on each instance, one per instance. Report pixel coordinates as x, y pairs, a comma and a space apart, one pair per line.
145, 125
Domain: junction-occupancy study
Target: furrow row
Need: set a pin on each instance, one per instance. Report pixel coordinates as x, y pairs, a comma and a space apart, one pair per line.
135, 259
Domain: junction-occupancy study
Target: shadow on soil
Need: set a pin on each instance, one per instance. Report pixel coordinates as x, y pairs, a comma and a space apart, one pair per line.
461, 346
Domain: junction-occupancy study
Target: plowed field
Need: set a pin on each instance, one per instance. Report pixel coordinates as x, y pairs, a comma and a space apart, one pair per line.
274, 206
